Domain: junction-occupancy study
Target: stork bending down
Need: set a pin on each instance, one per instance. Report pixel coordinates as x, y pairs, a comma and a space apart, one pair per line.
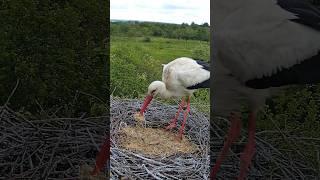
180, 78
260, 47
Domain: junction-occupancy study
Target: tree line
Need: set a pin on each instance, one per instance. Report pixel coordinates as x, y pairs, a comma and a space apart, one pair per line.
176, 31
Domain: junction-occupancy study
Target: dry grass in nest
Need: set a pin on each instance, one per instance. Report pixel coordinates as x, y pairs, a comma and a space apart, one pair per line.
155, 141
141, 149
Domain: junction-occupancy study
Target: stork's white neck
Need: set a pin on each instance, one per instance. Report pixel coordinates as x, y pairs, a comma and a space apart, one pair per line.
164, 92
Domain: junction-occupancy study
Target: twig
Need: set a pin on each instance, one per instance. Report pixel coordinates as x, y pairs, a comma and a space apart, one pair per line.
92, 140
81, 92
12, 92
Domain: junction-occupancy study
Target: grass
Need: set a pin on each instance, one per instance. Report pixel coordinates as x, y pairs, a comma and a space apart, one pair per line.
163, 49
137, 61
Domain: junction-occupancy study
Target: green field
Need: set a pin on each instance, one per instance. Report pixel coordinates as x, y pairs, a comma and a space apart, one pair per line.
137, 61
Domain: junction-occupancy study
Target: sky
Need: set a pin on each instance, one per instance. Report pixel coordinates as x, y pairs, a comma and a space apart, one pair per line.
169, 11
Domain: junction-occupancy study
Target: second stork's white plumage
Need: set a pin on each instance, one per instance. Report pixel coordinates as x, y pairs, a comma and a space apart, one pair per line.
260, 47
181, 77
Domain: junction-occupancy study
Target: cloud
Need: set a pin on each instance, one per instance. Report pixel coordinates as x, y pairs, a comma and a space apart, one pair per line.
176, 7
171, 11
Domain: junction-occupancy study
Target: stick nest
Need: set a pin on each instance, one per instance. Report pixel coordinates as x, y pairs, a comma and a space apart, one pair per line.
269, 162
150, 152
53, 148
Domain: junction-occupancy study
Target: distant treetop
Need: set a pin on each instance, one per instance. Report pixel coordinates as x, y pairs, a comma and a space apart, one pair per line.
166, 30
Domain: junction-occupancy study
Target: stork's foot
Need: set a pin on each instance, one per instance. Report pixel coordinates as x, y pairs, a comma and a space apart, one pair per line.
179, 137
172, 125
180, 134
246, 159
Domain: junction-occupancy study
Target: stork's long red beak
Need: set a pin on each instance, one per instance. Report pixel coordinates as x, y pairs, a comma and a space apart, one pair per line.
146, 102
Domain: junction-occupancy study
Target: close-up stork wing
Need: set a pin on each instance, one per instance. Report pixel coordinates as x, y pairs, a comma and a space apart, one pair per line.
260, 43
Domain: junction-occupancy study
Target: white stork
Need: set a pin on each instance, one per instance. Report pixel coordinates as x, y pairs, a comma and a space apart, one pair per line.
181, 77
260, 47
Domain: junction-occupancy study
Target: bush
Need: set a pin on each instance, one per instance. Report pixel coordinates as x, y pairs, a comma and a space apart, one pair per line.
56, 49
294, 112
146, 39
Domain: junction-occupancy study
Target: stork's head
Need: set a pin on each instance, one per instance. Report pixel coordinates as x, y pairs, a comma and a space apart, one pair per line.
155, 88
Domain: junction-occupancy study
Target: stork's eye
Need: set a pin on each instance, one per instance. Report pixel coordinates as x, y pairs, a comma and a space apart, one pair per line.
153, 91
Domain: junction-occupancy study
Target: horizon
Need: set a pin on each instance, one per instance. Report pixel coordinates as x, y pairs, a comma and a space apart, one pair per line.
132, 20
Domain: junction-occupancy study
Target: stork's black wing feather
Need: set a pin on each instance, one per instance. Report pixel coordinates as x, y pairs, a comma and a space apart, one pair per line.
204, 84
306, 72
205, 65
306, 13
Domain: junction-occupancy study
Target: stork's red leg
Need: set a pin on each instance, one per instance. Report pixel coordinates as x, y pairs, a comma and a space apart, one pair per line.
102, 157
249, 151
181, 131
173, 122
233, 134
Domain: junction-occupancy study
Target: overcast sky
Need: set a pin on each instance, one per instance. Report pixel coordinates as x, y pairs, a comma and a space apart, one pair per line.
170, 11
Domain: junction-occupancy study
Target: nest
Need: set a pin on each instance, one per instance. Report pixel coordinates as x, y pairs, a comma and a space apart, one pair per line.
269, 161
54, 148
157, 158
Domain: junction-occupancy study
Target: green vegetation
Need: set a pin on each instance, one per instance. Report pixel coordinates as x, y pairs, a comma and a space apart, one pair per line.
174, 31
137, 61
295, 113
57, 51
